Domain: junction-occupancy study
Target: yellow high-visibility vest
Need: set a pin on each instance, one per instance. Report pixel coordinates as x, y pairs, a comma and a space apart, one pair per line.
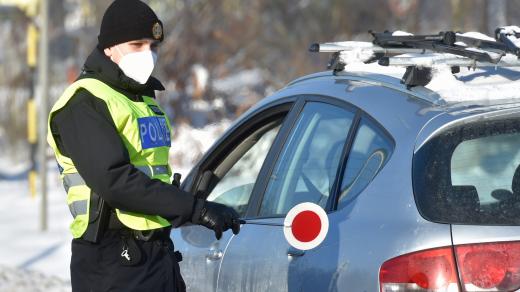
145, 132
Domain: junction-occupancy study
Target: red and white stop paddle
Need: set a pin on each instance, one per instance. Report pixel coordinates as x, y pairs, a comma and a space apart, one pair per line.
306, 226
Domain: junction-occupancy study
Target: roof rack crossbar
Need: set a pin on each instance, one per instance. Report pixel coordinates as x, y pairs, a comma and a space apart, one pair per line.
345, 46
465, 49
449, 60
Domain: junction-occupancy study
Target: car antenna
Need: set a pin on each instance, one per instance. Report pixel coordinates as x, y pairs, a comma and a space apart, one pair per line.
449, 48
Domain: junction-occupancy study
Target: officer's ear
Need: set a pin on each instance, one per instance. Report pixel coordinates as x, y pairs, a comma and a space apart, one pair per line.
110, 53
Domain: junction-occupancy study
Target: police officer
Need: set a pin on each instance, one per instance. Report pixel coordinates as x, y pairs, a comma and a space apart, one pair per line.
111, 140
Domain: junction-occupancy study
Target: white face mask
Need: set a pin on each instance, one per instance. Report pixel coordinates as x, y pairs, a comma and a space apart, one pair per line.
138, 65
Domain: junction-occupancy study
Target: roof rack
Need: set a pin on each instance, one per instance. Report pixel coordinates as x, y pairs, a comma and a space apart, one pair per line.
419, 53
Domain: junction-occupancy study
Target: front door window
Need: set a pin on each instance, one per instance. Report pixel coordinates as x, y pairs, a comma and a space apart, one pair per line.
235, 187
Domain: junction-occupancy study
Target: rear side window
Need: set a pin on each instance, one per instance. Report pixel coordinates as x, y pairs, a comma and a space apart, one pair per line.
470, 174
369, 153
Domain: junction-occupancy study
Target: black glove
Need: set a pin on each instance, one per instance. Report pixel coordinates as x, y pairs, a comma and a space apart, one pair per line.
217, 217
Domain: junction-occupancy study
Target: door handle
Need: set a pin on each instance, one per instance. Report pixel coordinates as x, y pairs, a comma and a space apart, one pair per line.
214, 255
293, 252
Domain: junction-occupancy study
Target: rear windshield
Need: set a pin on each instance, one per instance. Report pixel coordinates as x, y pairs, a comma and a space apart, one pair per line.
470, 174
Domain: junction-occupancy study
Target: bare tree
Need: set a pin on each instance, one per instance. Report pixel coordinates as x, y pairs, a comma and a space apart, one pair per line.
496, 14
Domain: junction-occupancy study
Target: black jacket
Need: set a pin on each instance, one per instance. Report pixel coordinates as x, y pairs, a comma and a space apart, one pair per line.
85, 132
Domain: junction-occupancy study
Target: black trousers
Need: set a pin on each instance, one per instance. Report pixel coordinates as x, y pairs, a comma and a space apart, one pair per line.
99, 267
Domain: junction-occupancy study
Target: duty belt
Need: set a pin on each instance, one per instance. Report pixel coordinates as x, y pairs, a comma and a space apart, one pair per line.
147, 235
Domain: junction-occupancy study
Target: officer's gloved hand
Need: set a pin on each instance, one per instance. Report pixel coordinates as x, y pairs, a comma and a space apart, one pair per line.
217, 217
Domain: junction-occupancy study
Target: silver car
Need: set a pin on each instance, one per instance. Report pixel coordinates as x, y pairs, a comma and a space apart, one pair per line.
421, 194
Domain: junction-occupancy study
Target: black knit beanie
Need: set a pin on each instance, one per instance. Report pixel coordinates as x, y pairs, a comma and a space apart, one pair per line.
128, 20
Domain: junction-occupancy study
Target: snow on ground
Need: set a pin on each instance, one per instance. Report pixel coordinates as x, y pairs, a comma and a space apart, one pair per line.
28, 253
189, 144
15, 280
32, 260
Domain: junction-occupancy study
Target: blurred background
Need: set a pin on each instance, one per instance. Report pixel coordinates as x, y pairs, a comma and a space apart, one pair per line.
218, 58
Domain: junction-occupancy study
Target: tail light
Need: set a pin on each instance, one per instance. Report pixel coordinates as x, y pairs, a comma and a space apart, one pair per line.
481, 267
489, 266
429, 270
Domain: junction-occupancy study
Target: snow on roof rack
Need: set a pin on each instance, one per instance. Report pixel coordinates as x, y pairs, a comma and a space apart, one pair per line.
419, 53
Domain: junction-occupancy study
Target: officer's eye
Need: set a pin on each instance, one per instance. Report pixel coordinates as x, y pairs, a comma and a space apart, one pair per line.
136, 44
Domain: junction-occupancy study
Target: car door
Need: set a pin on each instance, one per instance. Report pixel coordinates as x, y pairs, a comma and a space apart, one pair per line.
306, 168
226, 175
341, 263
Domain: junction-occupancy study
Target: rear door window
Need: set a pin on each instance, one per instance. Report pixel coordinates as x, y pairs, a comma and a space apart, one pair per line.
470, 174
309, 161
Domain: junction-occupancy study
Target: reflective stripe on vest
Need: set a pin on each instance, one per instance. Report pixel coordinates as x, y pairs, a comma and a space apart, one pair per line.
153, 170
78, 208
145, 133
74, 179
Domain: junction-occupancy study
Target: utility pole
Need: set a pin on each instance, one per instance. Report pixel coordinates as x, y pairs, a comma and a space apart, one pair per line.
32, 114
36, 124
43, 82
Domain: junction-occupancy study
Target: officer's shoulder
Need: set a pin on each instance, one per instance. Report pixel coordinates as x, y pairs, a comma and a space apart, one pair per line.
82, 101
77, 102
81, 96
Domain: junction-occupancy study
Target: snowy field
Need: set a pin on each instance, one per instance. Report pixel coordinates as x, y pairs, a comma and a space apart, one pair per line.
32, 260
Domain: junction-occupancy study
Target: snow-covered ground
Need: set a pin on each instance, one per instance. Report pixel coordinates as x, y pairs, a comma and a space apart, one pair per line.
16, 280
189, 144
32, 260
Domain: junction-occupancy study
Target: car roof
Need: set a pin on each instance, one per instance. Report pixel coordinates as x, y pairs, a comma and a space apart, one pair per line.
483, 86
411, 115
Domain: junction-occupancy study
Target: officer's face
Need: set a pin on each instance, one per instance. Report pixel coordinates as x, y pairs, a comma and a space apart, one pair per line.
117, 52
